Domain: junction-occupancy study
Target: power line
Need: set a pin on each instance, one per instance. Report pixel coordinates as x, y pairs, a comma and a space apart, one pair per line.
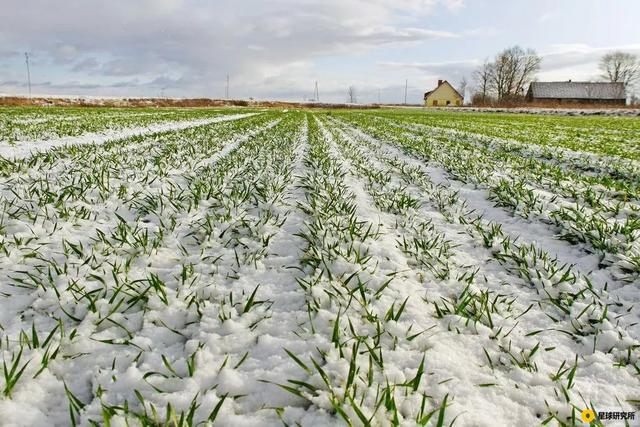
26, 56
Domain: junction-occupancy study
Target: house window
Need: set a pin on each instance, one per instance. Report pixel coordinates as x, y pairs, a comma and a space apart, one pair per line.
435, 102
457, 102
448, 102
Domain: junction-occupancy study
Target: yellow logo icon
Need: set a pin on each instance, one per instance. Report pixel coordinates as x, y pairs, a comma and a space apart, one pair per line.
588, 415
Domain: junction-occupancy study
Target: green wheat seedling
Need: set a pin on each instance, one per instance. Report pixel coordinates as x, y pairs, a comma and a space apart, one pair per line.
13, 371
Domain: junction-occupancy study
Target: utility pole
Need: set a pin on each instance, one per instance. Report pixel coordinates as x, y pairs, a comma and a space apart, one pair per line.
226, 89
406, 83
316, 95
26, 56
378, 96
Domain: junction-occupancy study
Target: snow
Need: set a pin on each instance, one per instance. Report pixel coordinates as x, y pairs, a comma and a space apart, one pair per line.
280, 265
28, 148
548, 111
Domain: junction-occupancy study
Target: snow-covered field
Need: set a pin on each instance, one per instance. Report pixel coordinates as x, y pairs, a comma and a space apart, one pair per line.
246, 268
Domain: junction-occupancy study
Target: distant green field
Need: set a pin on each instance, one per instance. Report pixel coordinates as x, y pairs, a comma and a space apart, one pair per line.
42, 123
619, 136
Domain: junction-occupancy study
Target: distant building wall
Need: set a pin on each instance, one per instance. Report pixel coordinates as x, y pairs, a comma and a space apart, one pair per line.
443, 95
596, 93
577, 101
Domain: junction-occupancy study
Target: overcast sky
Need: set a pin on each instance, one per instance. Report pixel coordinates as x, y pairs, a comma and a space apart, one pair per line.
277, 49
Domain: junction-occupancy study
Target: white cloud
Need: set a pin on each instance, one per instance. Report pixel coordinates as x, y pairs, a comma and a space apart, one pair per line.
270, 48
197, 43
577, 61
434, 66
429, 72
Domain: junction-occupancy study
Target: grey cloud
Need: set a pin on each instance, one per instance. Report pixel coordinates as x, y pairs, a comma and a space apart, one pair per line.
452, 71
87, 64
7, 53
565, 56
198, 43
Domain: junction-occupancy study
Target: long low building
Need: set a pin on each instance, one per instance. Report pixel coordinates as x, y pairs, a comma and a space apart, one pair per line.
577, 93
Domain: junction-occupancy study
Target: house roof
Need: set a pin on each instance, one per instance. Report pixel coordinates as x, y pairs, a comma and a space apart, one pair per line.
426, 94
578, 90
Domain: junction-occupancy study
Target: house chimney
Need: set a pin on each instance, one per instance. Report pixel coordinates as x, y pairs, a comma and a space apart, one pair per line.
439, 82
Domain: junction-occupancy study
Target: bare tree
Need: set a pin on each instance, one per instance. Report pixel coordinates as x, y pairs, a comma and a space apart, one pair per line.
621, 67
482, 81
462, 87
506, 76
512, 70
351, 95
